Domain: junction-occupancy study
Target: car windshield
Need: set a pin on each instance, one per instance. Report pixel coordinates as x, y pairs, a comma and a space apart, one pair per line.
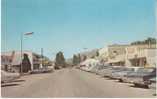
119, 68
145, 70
129, 69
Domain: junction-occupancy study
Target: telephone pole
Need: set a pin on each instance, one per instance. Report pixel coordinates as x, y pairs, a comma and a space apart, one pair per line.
41, 57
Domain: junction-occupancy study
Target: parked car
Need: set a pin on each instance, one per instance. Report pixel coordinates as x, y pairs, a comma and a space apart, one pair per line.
96, 68
88, 64
85, 68
101, 68
77, 67
125, 77
142, 76
41, 70
89, 67
109, 72
105, 69
7, 76
120, 75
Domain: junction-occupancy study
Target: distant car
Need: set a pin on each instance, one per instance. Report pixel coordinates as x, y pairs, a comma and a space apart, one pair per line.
7, 76
83, 67
57, 67
142, 76
109, 72
77, 67
89, 67
41, 70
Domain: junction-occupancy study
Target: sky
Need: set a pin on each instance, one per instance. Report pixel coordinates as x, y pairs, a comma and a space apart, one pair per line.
72, 25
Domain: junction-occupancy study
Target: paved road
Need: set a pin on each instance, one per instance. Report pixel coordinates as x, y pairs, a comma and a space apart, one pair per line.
71, 83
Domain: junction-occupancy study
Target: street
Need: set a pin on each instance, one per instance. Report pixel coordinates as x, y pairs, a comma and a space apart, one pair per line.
71, 82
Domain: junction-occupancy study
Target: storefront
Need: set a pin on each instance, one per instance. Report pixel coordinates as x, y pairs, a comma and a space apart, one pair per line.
144, 57
30, 61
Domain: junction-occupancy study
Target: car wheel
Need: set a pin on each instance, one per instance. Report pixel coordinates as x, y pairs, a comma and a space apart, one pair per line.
139, 85
146, 86
136, 85
120, 80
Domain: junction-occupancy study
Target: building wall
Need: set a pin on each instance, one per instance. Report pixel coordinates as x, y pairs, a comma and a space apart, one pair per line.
141, 55
114, 50
133, 55
16, 59
151, 57
116, 54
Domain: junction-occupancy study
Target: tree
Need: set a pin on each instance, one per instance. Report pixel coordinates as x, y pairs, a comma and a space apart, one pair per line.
97, 53
26, 65
84, 57
79, 58
60, 60
149, 40
76, 59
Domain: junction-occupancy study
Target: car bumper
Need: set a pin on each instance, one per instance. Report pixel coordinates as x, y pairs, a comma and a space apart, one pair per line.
116, 76
140, 81
127, 80
152, 86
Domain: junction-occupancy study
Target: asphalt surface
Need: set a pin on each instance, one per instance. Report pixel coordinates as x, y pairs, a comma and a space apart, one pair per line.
71, 83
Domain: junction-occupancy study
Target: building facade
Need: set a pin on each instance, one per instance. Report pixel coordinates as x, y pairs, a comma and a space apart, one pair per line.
143, 55
116, 54
11, 61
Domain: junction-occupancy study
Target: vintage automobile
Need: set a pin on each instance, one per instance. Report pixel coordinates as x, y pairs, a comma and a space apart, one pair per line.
7, 76
96, 68
104, 70
142, 76
109, 72
86, 68
120, 75
77, 67
101, 68
90, 67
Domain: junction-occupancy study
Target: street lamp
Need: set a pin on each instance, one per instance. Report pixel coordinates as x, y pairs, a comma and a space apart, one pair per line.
26, 34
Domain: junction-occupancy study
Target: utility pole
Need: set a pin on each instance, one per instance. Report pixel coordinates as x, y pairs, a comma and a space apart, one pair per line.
21, 53
41, 57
